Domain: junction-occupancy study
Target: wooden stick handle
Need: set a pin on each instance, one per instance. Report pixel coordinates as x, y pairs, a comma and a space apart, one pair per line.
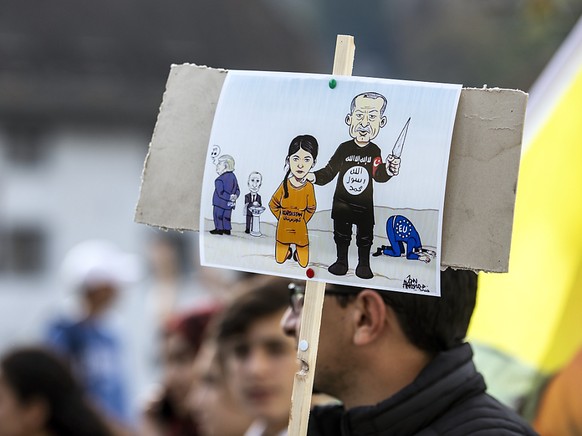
307, 354
314, 295
343, 61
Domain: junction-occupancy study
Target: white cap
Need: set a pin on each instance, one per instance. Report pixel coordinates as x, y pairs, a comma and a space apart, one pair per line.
95, 262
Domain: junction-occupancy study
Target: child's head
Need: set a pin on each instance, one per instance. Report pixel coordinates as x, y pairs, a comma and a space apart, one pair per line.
303, 142
301, 157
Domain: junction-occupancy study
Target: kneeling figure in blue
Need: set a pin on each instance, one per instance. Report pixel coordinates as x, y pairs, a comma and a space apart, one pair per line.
400, 231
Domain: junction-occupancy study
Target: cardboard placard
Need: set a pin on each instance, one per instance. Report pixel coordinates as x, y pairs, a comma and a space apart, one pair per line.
481, 182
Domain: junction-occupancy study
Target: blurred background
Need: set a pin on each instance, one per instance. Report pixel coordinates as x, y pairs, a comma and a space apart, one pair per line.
80, 88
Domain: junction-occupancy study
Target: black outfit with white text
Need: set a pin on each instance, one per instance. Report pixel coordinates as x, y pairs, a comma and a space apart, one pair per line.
353, 202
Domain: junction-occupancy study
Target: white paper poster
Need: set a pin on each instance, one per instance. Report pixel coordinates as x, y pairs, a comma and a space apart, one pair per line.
338, 179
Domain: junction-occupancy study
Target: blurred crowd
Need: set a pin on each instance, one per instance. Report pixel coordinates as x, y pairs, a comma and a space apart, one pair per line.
227, 361
226, 366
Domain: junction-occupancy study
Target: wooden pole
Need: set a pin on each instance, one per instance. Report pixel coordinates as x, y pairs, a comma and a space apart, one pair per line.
314, 294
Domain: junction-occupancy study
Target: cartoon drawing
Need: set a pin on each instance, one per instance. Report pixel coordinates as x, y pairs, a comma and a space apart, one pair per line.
356, 163
214, 153
293, 203
400, 231
399, 144
226, 191
253, 205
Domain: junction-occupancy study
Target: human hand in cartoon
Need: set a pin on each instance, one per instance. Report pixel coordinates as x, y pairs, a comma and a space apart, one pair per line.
232, 201
310, 177
393, 165
424, 257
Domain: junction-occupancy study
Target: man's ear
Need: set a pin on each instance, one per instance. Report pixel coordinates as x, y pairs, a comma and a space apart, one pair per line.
383, 121
348, 119
369, 317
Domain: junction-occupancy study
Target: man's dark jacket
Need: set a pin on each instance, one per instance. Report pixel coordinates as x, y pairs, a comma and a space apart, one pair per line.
447, 398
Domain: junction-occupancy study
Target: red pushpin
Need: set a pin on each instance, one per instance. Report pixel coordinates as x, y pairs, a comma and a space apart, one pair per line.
310, 273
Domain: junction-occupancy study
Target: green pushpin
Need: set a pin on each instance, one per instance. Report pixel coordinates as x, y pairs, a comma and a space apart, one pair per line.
332, 83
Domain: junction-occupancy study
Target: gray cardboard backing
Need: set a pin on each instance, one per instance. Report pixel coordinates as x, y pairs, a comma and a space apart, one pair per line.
481, 182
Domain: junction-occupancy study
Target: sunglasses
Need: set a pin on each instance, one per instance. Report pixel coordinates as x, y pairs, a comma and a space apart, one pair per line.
297, 295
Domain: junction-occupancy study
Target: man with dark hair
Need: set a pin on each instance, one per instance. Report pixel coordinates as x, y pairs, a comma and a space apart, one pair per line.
259, 360
399, 364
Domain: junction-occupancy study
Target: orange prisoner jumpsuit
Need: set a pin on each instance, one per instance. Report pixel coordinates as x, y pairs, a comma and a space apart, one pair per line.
293, 214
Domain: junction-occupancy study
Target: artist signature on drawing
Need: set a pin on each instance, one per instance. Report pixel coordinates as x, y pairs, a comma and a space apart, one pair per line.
412, 283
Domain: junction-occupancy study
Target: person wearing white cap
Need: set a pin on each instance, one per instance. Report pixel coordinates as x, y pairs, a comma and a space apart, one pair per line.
96, 270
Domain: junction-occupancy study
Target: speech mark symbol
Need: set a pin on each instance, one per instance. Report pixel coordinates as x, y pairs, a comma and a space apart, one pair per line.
214, 152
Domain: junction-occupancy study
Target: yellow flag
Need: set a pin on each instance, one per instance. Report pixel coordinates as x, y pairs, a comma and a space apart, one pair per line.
535, 311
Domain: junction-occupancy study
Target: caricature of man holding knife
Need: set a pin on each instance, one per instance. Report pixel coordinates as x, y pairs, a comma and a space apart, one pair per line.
356, 163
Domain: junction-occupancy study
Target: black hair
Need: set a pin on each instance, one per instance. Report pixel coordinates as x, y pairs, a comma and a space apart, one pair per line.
37, 374
430, 323
305, 142
268, 298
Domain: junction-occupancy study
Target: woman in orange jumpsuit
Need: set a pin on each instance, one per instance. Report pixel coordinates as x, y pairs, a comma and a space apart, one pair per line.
293, 203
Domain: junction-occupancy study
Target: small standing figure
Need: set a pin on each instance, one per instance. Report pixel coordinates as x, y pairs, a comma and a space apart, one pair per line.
226, 191
400, 231
253, 200
293, 204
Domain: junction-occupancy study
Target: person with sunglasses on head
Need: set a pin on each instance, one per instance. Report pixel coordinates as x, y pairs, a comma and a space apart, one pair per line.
399, 363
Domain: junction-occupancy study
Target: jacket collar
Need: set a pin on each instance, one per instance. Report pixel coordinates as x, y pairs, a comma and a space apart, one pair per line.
448, 379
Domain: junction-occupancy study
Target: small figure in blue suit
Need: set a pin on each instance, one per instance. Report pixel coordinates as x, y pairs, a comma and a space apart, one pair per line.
226, 191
